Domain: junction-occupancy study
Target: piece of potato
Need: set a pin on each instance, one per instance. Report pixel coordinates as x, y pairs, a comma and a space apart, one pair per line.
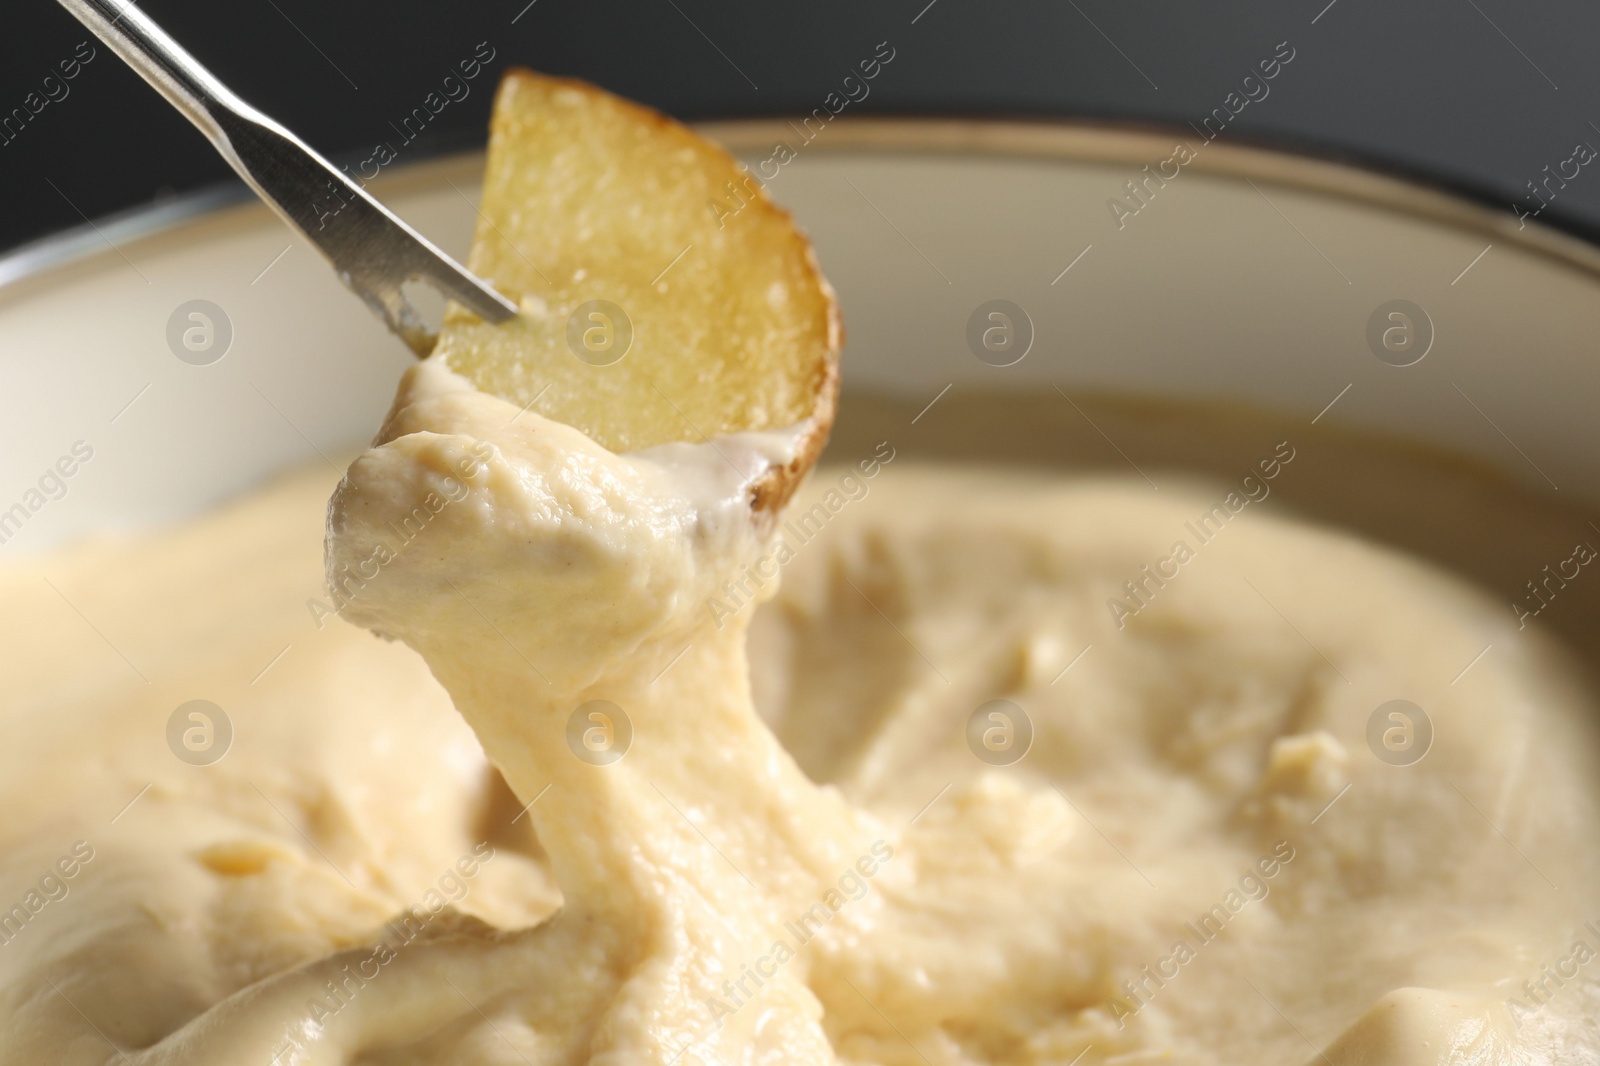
588, 197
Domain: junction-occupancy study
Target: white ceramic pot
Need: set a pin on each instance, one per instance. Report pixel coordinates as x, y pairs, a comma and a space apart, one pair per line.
1250, 277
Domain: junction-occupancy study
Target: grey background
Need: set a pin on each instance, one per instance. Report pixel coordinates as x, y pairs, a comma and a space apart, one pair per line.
1476, 94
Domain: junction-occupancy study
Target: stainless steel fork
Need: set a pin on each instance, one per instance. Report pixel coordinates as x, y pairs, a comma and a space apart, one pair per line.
374, 252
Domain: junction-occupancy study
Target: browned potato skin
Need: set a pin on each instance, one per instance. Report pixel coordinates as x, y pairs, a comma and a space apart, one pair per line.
769, 495
562, 154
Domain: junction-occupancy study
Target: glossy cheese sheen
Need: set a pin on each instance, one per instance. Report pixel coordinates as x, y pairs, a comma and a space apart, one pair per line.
804, 851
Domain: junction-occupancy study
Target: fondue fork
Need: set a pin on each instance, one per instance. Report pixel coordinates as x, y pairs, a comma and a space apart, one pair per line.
373, 251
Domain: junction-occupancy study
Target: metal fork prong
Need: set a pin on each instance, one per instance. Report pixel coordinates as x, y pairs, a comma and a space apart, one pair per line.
373, 250
390, 304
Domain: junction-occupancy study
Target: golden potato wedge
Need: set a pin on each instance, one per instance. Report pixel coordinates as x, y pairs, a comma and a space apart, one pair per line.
665, 298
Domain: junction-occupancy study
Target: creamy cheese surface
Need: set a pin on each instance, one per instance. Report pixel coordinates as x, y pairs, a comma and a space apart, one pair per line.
639, 780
